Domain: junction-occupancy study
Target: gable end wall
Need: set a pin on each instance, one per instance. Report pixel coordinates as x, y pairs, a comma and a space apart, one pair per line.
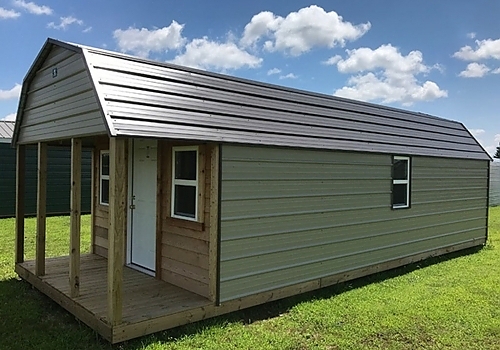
63, 106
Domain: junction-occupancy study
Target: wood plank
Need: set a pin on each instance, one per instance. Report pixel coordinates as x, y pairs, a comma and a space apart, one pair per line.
67, 303
102, 242
117, 228
101, 222
20, 197
213, 245
185, 282
170, 226
183, 269
101, 232
159, 205
185, 224
101, 251
187, 243
185, 256
201, 185
41, 209
93, 201
75, 211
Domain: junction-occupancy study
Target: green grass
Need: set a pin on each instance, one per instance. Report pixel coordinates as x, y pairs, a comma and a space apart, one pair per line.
451, 305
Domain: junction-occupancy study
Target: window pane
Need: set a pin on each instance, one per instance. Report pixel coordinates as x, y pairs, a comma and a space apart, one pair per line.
400, 169
185, 201
399, 195
105, 163
105, 191
185, 165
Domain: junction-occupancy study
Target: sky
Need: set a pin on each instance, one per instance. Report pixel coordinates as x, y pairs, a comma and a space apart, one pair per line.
436, 57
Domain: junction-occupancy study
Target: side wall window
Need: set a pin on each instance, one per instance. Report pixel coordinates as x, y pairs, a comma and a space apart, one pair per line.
401, 167
104, 178
185, 183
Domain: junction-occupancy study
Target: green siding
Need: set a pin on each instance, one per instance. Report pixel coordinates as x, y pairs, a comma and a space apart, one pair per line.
289, 215
58, 180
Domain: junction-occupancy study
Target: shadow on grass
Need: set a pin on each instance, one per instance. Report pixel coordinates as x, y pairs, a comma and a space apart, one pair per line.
30, 320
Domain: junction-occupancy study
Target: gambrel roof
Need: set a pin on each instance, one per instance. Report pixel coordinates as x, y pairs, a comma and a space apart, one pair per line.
75, 91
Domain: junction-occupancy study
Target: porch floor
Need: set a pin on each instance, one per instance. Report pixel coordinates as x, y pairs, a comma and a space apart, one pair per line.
144, 297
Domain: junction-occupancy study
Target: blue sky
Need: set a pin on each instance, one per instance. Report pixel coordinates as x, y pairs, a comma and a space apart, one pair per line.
436, 57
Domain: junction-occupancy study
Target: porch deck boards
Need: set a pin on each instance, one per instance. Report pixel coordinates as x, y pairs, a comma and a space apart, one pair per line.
144, 297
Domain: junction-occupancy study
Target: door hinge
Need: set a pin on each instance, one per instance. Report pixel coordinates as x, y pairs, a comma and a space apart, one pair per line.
132, 206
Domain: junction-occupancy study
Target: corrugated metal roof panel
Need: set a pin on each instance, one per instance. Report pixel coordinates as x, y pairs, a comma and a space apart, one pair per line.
6, 129
145, 98
140, 97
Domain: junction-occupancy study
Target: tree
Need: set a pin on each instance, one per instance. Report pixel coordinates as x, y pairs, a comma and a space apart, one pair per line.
497, 154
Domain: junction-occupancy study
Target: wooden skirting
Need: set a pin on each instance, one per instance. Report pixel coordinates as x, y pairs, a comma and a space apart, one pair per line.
151, 305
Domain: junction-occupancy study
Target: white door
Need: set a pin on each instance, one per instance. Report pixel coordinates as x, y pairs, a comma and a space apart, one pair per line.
143, 213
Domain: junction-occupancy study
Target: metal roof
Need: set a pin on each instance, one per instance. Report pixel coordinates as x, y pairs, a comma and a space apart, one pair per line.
6, 130
146, 98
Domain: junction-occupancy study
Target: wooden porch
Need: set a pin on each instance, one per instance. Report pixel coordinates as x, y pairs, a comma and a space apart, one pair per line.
144, 297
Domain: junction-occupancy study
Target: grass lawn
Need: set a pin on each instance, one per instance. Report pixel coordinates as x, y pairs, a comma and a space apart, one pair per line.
451, 305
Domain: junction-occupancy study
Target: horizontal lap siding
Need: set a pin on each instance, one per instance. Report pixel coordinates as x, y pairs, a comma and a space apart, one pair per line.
63, 106
58, 180
494, 184
289, 216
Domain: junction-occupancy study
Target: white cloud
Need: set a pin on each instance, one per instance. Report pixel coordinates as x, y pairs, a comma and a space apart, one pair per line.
474, 70
476, 132
65, 23
206, 54
8, 14
33, 8
332, 60
10, 94
490, 146
385, 74
485, 49
10, 117
87, 30
471, 35
495, 71
301, 31
144, 41
289, 76
273, 71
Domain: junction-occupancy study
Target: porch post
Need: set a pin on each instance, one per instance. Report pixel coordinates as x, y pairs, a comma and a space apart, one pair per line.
117, 227
20, 189
41, 208
75, 204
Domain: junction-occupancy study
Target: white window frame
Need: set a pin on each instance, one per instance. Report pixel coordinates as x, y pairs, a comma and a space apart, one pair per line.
102, 177
193, 183
403, 182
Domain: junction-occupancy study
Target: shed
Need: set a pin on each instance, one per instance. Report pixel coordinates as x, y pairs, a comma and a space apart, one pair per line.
58, 182
495, 184
213, 193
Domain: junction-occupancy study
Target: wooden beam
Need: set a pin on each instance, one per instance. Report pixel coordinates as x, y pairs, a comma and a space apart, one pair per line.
117, 227
75, 205
20, 193
93, 201
213, 256
41, 209
201, 183
161, 146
